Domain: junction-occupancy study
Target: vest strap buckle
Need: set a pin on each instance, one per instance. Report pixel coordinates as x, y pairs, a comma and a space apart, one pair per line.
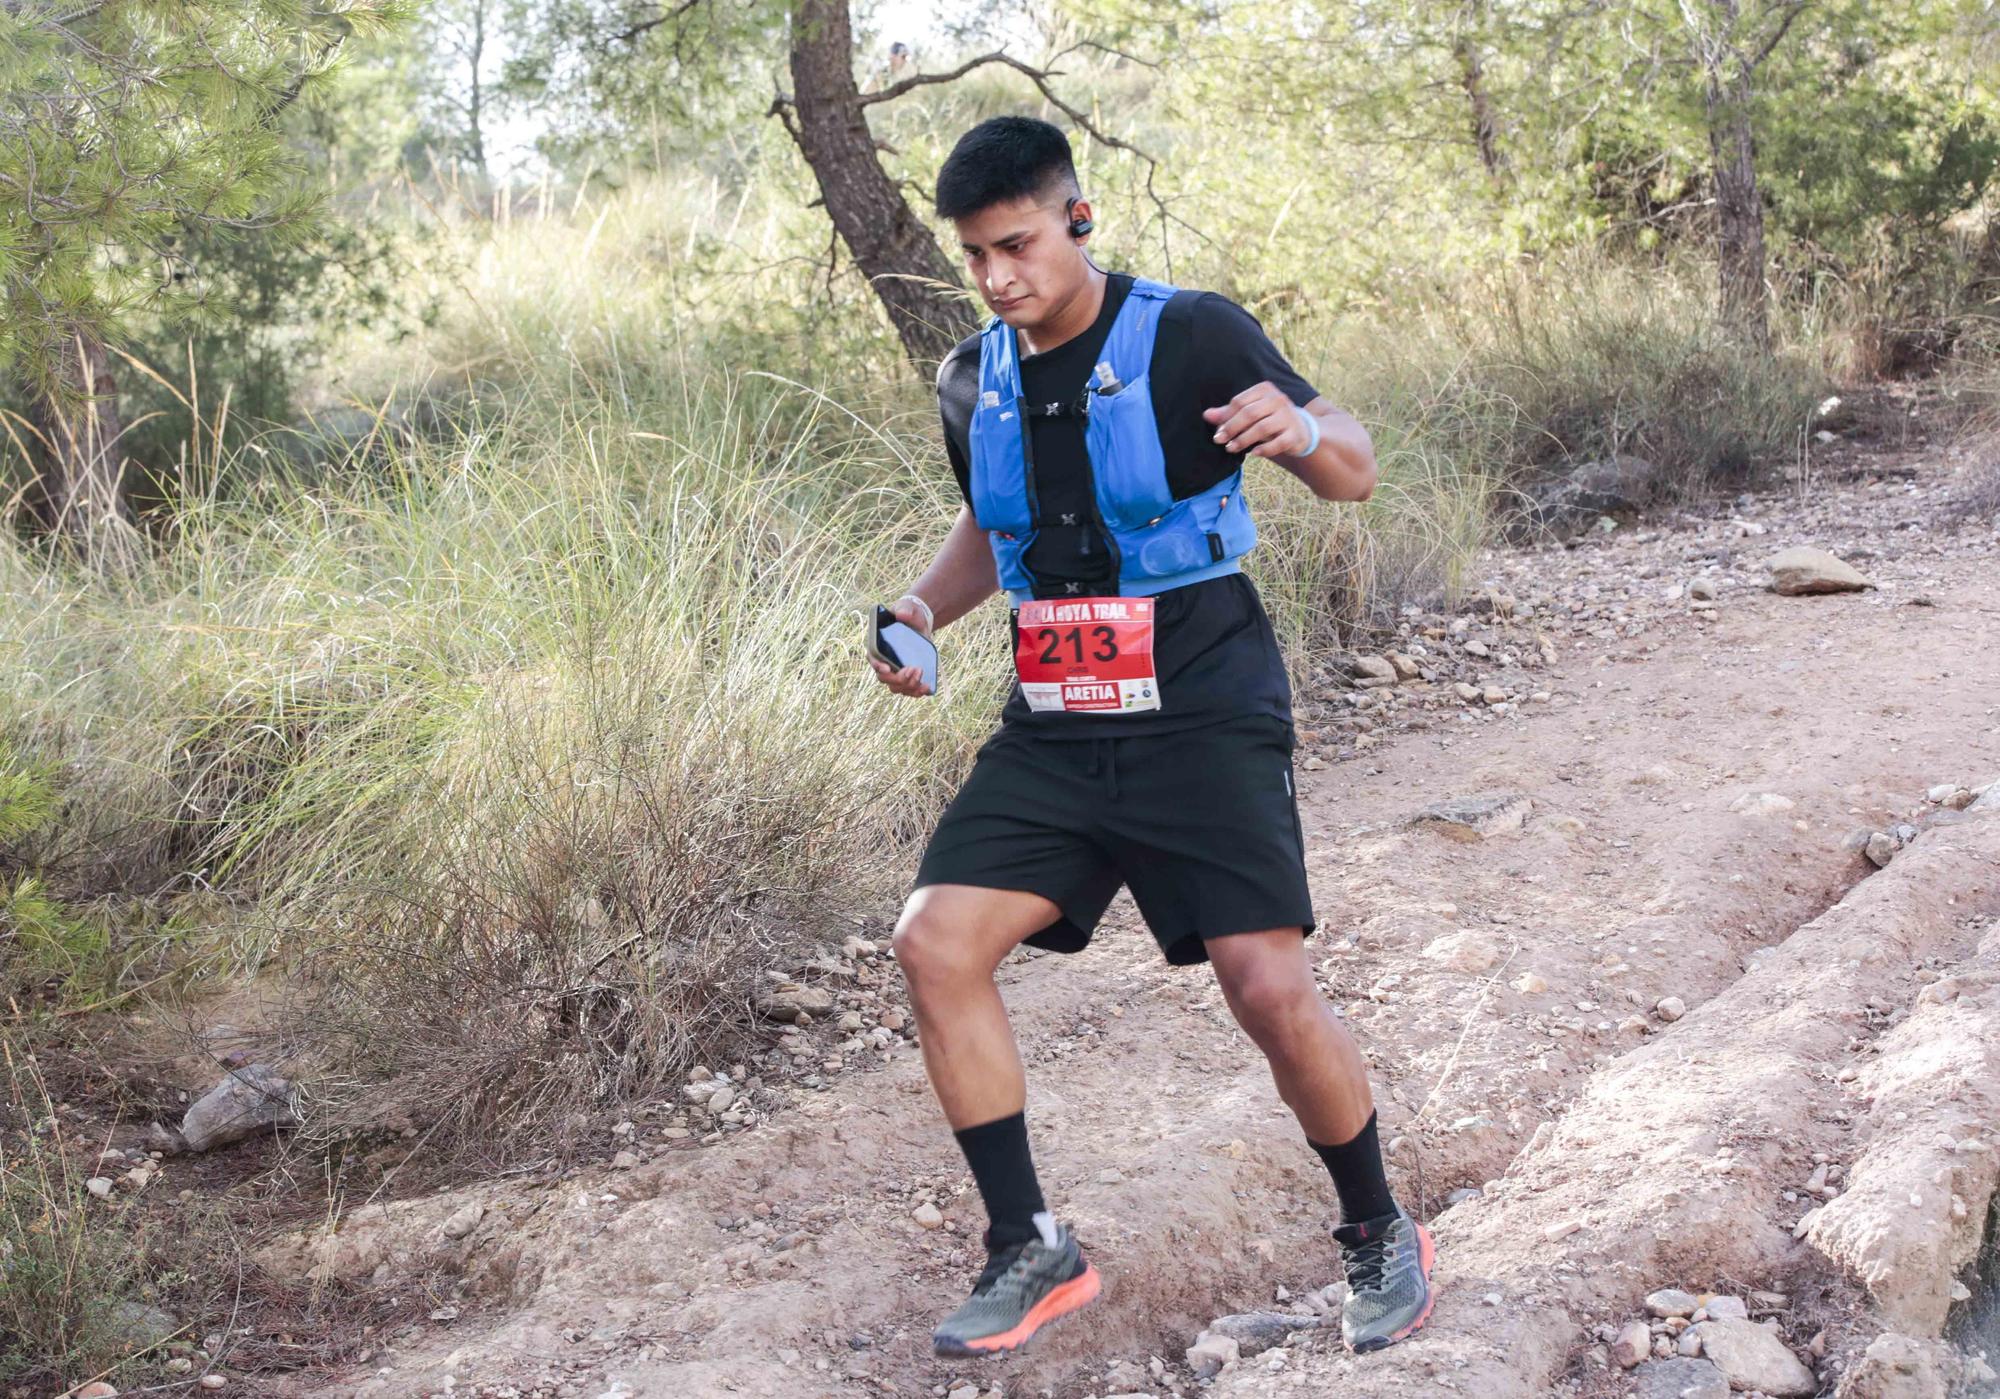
1079, 407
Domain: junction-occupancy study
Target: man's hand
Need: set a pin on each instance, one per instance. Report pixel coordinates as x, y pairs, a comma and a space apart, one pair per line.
1262, 421
909, 680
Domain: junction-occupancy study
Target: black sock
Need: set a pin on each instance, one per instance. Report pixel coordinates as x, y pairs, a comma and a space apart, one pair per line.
1356, 1168
1001, 1164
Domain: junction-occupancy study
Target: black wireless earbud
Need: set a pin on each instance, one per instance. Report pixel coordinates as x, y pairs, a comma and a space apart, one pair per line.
1077, 227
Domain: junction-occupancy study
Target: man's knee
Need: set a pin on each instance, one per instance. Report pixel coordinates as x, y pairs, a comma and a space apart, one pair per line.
928, 948
1272, 999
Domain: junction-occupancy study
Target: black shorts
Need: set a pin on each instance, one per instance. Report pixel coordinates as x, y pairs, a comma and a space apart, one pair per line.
1201, 824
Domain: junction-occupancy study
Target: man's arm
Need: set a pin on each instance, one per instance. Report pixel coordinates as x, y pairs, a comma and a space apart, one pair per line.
1265, 423
962, 575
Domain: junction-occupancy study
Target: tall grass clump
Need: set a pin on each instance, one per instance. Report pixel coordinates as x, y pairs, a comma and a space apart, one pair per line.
66, 1267
1543, 367
532, 747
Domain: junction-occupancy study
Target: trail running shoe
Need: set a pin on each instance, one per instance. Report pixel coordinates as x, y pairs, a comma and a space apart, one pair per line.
1022, 1288
1388, 1265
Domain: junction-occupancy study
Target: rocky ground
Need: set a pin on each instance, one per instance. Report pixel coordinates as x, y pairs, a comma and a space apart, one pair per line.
1665, 909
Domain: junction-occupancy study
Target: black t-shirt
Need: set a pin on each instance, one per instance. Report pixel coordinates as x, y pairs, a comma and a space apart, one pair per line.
1214, 651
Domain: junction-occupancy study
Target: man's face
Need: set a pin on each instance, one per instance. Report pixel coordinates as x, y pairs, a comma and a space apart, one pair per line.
1023, 259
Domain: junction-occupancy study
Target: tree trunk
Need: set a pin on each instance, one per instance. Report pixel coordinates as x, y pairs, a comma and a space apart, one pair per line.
84, 475
1485, 135
894, 250
1739, 207
478, 135
1472, 77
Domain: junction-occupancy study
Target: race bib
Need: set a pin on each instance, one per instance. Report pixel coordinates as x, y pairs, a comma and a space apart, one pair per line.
1091, 655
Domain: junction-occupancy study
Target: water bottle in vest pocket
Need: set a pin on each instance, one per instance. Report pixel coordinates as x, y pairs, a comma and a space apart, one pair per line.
1163, 546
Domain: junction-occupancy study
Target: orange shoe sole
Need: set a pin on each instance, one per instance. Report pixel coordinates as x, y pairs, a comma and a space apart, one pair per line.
1426, 1257
1079, 1291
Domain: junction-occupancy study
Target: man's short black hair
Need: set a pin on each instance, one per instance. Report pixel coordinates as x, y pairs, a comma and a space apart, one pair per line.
1003, 159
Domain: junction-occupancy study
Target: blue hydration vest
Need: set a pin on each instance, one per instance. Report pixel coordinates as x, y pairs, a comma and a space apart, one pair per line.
1159, 542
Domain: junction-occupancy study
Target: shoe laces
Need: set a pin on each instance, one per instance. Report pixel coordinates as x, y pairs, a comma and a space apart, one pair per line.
999, 1261
1365, 1251
1365, 1264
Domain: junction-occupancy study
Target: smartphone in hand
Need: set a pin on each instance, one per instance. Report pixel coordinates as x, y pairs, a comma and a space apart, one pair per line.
896, 644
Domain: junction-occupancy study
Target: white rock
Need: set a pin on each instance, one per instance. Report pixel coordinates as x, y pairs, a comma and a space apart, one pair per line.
1671, 1301
253, 1099
1727, 1307
1477, 817
1468, 952
1670, 1008
928, 1215
464, 1220
1754, 1358
1529, 984
1761, 804
100, 1186
1803, 570
1633, 1344
1210, 1353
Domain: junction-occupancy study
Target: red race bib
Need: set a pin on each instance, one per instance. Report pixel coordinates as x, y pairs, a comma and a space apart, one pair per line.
1089, 655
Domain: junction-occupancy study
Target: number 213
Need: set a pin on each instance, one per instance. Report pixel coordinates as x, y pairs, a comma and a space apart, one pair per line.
1053, 639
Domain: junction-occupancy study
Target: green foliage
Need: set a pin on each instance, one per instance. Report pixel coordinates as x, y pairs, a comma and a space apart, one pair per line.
42, 942
27, 799
128, 127
618, 79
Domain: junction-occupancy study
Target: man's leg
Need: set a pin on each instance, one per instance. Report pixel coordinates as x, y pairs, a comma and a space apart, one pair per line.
949, 942
1268, 982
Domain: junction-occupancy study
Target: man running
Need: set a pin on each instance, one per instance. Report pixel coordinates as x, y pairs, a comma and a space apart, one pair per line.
1099, 427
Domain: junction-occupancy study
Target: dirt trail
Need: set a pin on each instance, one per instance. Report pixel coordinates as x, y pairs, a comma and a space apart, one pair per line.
1692, 788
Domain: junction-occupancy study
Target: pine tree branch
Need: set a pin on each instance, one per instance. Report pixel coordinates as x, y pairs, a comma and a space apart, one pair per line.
631, 33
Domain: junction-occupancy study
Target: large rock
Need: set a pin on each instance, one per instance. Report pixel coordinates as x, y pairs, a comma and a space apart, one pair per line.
1471, 952
1619, 486
1256, 1332
143, 1326
1368, 671
1210, 1353
1904, 1367
1753, 1357
1476, 817
789, 1001
1807, 570
1679, 1379
250, 1100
